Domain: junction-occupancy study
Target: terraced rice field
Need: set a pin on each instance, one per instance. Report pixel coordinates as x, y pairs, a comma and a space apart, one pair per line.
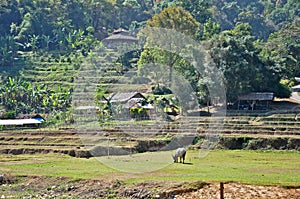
140, 137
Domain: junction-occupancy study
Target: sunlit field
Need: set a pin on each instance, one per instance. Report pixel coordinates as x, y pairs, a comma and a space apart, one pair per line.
253, 167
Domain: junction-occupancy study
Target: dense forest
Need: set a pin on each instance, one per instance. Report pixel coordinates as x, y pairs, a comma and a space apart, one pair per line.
254, 43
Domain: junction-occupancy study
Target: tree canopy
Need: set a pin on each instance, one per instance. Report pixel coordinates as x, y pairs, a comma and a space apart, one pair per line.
179, 21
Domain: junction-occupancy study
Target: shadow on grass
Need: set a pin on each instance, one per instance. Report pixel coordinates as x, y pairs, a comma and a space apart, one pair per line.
188, 163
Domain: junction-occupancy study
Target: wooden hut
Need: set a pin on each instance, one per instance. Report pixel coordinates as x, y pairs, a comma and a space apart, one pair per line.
128, 99
255, 100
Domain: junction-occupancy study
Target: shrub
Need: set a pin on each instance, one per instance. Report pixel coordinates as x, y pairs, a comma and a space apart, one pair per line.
282, 91
138, 113
161, 90
10, 114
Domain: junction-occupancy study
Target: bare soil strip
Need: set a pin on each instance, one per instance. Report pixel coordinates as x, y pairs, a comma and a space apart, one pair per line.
43, 187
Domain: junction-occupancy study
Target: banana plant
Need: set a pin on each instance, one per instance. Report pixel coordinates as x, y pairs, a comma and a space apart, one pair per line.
20, 96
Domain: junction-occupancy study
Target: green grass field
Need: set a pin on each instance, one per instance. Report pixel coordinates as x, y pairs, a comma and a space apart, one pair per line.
252, 167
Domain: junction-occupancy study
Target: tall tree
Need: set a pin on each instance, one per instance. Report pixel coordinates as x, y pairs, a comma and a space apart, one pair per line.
260, 28
210, 28
9, 13
282, 51
199, 9
235, 54
100, 16
177, 19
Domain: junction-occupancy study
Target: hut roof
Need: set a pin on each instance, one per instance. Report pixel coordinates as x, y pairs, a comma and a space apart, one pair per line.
125, 97
260, 96
120, 36
19, 122
121, 31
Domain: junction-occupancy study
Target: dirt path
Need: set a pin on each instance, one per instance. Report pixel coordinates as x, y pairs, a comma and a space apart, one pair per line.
49, 187
243, 191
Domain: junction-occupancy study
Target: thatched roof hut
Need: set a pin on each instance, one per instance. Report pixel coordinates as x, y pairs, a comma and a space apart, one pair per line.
129, 99
120, 36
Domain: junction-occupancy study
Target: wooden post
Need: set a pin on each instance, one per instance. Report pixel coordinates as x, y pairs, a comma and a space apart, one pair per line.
221, 190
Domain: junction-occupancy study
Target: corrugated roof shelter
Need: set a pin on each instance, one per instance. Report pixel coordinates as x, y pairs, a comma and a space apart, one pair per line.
19, 122
22, 120
257, 96
255, 100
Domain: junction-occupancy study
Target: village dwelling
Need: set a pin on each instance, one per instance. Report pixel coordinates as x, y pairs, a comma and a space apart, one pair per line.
255, 101
118, 37
119, 105
128, 99
26, 120
128, 103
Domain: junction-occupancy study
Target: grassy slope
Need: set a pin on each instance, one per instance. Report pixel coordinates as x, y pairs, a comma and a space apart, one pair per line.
254, 167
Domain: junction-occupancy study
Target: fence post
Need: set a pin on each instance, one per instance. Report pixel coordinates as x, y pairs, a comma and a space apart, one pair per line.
221, 190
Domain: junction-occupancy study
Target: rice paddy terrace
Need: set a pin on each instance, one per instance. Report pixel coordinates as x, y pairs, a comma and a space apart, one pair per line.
236, 132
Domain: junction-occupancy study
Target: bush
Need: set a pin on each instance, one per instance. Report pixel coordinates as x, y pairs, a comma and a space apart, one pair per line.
138, 113
282, 91
10, 114
161, 90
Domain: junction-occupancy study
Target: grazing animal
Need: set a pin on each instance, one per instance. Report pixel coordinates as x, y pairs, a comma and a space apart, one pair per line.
180, 153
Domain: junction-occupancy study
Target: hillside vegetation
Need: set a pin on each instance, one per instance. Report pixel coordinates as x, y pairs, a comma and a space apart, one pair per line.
255, 44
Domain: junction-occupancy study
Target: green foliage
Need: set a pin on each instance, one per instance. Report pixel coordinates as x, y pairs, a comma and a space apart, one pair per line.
8, 51
55, 25
175, 18
165, 61
10, 114
200, 10
42, 24
237, 56
160, 90
210, 29
284, 12
139, 113
260, 28
282, 90
18, 96
103, 104
282, 51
